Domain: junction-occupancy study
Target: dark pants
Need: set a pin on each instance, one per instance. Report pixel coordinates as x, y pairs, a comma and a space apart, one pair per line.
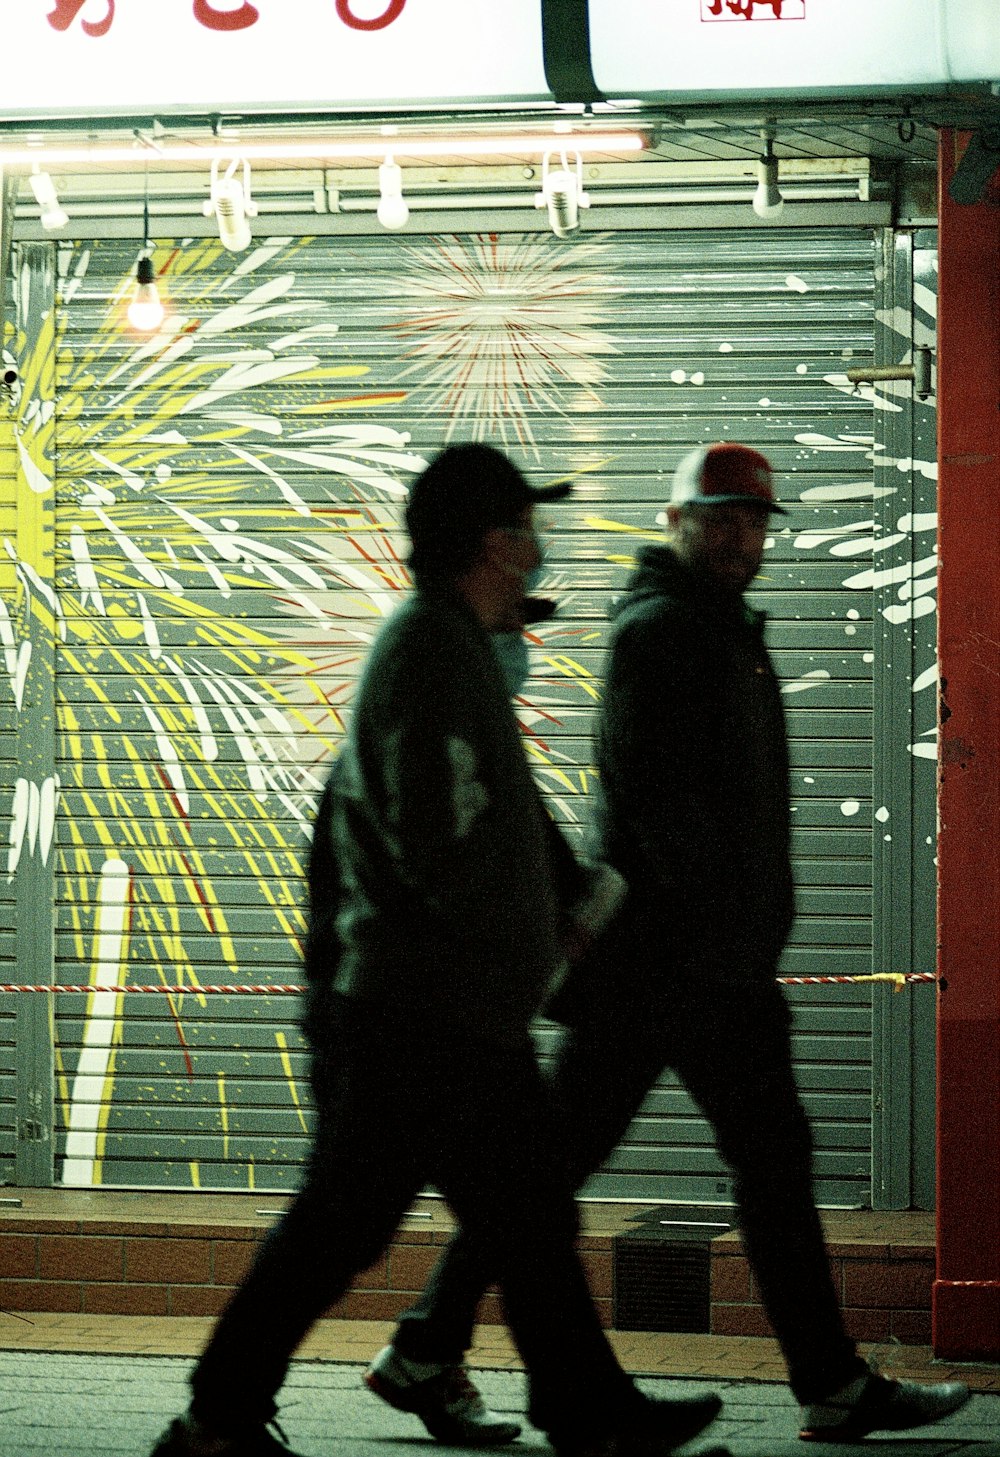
399, 1107
731, 1049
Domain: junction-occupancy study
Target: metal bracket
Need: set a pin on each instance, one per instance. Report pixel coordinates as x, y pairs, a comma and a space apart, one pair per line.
919, 372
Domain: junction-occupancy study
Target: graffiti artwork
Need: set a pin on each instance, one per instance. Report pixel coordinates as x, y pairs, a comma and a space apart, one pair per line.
225, 502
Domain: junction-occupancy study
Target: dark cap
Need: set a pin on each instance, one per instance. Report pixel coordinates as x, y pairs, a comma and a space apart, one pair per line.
717, 475
465, 492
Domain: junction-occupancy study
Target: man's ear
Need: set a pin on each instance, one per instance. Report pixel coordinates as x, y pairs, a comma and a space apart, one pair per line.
496, 552
673, 514
495, 547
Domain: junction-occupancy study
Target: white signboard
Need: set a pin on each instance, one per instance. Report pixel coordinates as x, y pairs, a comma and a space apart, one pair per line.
107, 57
704, 48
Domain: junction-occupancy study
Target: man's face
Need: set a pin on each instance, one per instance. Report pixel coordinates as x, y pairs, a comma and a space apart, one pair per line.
724, 542
517, 551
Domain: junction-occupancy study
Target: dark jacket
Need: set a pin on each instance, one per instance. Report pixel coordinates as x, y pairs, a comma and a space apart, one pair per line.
693, 762
441, 843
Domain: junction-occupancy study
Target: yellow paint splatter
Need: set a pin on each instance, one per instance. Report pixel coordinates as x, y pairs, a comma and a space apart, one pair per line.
286, 1063
224, 1113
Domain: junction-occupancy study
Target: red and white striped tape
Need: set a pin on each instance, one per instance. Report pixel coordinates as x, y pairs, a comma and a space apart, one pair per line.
897, 978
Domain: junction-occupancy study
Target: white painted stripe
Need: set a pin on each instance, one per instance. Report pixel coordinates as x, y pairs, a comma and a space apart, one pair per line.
99, 1030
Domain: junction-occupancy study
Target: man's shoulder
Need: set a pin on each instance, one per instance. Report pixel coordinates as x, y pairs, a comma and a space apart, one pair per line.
655, 612
426, 626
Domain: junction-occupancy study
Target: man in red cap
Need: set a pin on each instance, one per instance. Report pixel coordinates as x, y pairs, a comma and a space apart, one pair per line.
694, 814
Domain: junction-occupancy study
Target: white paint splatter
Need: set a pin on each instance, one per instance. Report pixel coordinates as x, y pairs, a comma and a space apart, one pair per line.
678, 376
882, 814
905, 464
812, 679
87, 1102
849, 807
890, 576
909, 611
725, 349
828, 442
796, 284
32, 820
921, 521
927, 679
39, 482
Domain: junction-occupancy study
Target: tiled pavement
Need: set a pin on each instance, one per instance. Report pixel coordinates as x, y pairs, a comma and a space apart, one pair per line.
105, 1388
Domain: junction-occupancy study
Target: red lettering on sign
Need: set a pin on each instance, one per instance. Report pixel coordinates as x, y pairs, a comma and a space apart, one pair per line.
225, 19
392, 12
66, 11
748, 9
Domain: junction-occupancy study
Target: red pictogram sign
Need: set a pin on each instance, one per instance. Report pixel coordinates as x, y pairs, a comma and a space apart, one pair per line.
753, 9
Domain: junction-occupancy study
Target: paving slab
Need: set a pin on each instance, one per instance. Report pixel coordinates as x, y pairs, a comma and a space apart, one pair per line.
87, 1405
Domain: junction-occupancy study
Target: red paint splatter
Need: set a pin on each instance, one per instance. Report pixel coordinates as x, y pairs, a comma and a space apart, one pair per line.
171, 792
199, 892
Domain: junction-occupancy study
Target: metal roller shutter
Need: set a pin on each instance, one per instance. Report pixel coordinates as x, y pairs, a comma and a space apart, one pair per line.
227, 542
8, 776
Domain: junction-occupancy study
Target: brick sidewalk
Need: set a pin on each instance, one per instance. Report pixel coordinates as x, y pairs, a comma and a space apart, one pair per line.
63, 1405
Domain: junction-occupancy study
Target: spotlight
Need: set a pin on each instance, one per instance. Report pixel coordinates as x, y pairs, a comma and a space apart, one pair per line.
232, 204
53, 215
767, 200
145, 312
392, 211
562, 193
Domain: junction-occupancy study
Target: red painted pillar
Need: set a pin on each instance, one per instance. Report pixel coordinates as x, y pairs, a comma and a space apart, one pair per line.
966, 1308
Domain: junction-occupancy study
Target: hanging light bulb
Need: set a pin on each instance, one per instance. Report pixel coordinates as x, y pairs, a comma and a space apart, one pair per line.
146, 311
53, 214
562, 193
232, 204
392, 211
767, 200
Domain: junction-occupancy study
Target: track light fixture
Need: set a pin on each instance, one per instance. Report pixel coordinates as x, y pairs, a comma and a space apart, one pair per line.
562, 193
232, 204
392, 211
53, 214
331, 148
145, 312
767, 200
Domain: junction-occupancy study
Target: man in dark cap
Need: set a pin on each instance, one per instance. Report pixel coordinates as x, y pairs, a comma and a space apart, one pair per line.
424, 1071
694, 814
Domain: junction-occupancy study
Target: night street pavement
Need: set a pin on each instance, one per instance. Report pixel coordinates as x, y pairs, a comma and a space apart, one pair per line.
61, 1405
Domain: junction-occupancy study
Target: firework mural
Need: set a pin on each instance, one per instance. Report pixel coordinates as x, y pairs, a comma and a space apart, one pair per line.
225, 543
499, 332
194, 724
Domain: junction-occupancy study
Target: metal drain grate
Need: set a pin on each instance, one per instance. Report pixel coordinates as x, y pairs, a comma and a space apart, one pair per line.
662, 1275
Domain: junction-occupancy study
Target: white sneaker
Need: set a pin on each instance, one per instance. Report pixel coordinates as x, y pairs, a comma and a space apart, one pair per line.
443, 1397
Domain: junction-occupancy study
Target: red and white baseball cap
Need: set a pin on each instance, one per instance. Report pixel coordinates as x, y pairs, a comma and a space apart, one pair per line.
717, 475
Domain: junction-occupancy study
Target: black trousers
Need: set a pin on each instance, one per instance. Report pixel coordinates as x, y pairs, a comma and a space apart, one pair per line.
729, 1044
401, 1106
